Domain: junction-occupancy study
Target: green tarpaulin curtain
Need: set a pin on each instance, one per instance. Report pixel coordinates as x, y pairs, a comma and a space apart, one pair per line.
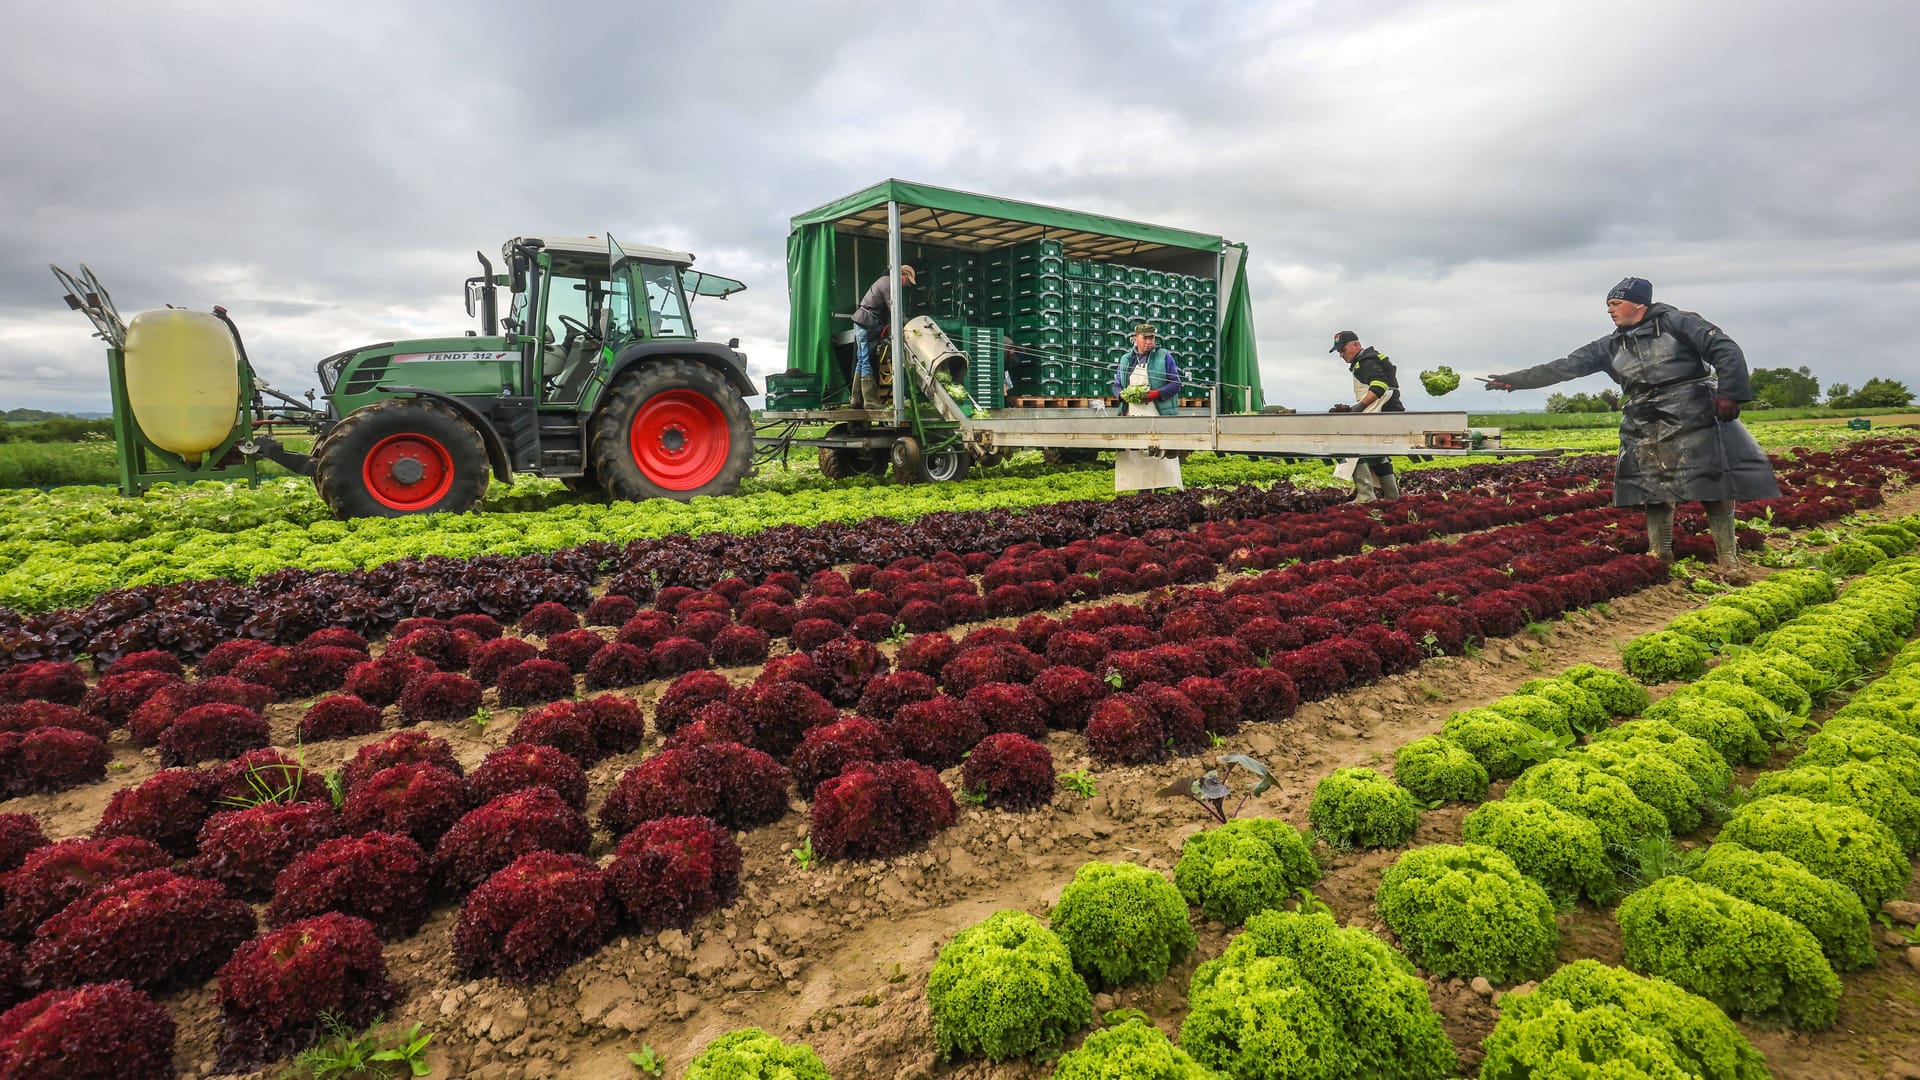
1239, 350
810, 305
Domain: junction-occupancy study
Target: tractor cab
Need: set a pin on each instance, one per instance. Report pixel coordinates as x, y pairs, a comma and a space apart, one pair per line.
577, 302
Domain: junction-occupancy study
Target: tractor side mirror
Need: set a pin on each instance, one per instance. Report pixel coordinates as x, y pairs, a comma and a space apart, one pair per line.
474, 285
519, 273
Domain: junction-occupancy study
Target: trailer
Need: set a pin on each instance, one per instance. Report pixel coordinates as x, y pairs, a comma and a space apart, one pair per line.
1030, 256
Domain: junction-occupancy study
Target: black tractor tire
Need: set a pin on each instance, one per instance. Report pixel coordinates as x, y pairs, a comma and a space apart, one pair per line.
394, 458
841, 462
1054, 455
586, 484
913, 466
671, 429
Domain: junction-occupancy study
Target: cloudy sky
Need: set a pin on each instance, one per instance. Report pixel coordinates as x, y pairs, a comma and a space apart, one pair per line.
1460, 180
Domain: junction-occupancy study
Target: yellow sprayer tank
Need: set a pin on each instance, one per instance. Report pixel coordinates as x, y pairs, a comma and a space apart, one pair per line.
183, 379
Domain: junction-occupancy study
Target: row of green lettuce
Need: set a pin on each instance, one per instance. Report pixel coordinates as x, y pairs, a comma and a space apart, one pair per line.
1760, 920
223, 531
63, 547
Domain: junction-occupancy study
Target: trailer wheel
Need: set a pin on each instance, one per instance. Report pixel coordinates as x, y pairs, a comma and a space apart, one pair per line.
401, 457
671, 429
911, 466
839, 462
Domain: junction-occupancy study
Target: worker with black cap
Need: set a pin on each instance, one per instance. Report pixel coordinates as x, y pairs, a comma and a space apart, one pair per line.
872, 320
1681, 439
1376, 388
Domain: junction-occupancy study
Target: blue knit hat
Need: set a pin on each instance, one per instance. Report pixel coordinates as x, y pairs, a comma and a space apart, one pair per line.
1634, 290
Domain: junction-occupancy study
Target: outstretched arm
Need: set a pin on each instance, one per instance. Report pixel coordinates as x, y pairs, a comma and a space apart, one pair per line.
1584, 360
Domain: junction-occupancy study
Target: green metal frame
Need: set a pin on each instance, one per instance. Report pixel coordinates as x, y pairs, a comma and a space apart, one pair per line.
142, 464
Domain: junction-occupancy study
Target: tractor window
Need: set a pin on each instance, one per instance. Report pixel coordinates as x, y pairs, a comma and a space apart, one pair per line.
666, 304
579, 299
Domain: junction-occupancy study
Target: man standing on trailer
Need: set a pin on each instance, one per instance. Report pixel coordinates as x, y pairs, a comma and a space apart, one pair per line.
872, 321
1376, 388
1681, 439
1149, 370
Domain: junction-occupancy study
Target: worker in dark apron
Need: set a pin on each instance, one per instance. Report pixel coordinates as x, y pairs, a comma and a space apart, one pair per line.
1681, 439
1376, 388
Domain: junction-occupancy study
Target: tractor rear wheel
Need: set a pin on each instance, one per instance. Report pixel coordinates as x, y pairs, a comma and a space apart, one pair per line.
401, 457
671, 429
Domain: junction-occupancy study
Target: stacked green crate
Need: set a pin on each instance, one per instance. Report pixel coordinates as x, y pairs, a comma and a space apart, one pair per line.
986, 365
1025, 292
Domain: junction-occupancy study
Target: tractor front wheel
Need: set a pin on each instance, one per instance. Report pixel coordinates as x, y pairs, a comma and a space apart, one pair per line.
671, 429
401, 457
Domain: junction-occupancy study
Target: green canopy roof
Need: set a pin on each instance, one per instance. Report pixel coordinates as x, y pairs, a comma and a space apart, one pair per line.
983, 222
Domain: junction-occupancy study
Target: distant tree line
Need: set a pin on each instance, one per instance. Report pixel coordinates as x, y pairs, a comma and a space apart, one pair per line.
59, 429
1773, 388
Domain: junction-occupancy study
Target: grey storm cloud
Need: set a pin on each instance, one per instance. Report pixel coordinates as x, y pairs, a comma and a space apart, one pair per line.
1458, 180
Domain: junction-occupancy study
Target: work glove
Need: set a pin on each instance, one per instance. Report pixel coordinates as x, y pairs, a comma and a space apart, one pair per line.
1727, 409
1495, 382
1153, 395
1342, 407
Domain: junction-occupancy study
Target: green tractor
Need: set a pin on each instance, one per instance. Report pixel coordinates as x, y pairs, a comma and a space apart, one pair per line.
593, 376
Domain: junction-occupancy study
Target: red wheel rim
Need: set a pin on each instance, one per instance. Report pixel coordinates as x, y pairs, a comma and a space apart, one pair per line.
680, 439
408, 471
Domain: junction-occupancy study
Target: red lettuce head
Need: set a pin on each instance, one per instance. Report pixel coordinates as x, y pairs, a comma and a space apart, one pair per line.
937, 733
670, 871
103, 1030
1011, 707
20, 836
532, 920
53, 876
416, 799
380, 682
50, 759
575, 648
496, 656
531, 682
741, 646
830, 748
399, 748
875, 810
283, 990
512, 768
245, 850
381, 877
439, 697
563, 725
213, 732
1125, 730
341, 716
491, 836
1011, 772
114, 698
548, 618
156, 929
737, 786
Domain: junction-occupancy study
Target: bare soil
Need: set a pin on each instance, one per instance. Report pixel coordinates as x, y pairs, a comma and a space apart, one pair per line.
838, 955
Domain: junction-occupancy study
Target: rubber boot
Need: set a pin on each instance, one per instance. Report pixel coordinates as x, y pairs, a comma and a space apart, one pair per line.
1389, 485
1660, 530
1362, 486
1726, 547
866, 392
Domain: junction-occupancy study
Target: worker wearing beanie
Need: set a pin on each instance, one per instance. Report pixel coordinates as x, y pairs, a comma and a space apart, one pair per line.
1681, 439
1376, 388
